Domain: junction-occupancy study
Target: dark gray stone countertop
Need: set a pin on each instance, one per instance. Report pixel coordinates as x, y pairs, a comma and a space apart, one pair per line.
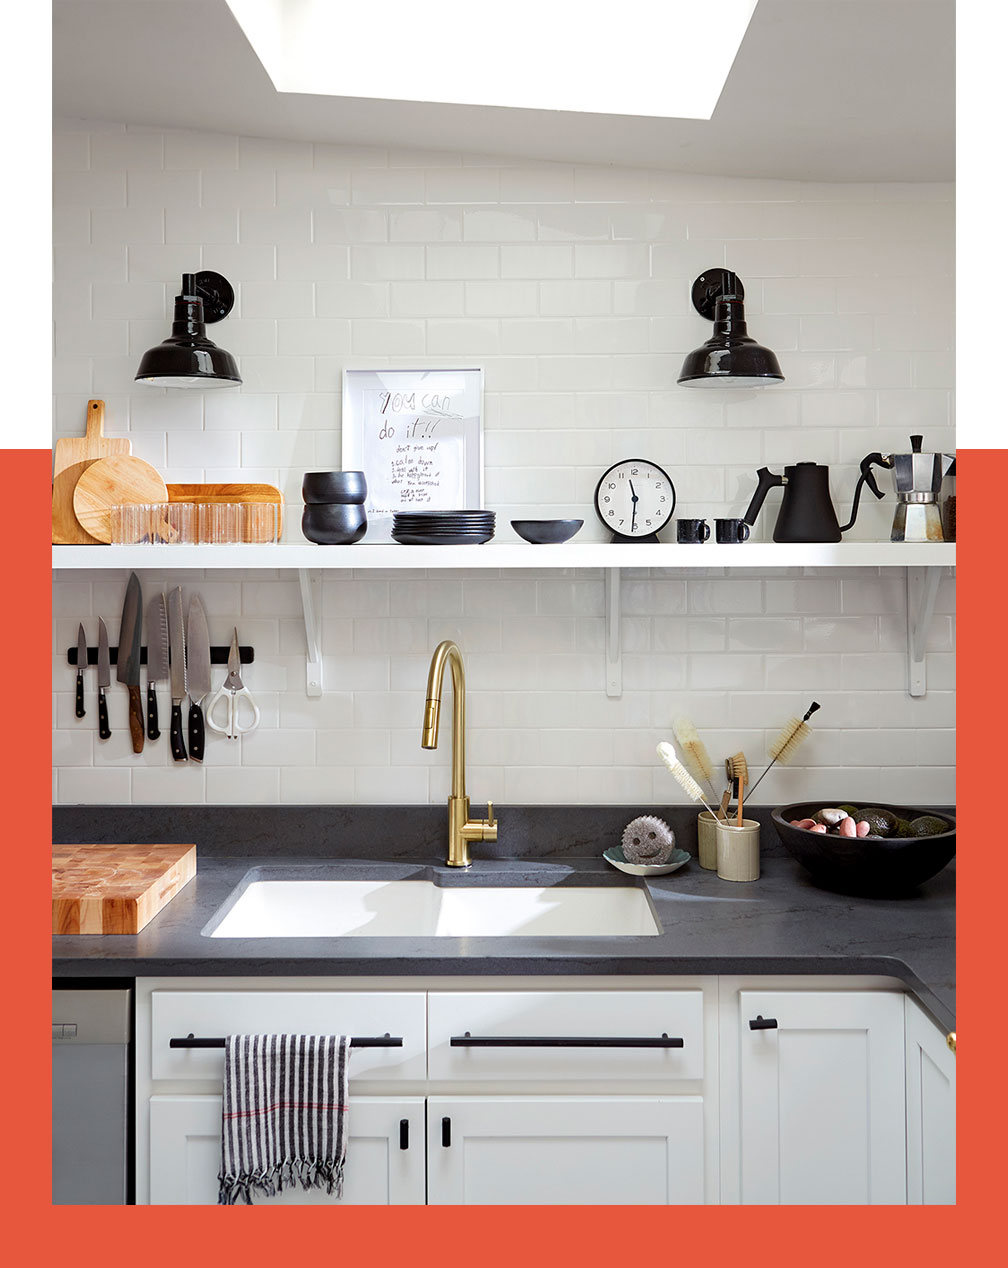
780, 924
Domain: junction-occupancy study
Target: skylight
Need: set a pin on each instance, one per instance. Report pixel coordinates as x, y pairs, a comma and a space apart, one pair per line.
659, 58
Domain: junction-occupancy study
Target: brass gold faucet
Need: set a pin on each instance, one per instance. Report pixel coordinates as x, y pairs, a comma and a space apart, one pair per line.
461, 829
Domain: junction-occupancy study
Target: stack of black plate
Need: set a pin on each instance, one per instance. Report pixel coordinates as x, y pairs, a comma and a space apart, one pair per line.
442, 528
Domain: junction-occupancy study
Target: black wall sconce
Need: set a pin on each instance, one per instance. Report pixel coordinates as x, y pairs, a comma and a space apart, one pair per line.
729, 358
187, 358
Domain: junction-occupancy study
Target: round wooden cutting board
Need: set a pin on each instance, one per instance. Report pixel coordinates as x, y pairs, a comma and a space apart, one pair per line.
113, 482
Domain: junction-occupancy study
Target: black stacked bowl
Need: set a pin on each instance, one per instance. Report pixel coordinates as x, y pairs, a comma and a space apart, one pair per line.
334, 507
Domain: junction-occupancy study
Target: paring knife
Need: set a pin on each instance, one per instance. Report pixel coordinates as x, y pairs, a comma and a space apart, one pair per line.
157, 658
128, 664
176, 640
81, 662
104, 680
197, 675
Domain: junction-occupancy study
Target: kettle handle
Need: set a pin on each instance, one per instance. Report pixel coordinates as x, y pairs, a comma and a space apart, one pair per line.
866, 477
767, 481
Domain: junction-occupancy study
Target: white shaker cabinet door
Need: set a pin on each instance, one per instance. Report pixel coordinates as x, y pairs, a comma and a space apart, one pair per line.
931, 1111
185, 1142
822, 1109
571, 1150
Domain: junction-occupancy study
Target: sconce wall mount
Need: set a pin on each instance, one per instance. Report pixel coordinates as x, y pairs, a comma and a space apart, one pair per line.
187, 358
730, 358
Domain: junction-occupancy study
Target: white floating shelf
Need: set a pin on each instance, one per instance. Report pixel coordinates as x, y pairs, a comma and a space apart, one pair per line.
749, 555
921, 560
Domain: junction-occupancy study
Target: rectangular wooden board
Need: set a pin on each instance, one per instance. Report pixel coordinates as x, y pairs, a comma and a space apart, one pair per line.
115, 889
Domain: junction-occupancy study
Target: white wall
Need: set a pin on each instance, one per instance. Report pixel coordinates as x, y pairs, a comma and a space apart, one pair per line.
571, 286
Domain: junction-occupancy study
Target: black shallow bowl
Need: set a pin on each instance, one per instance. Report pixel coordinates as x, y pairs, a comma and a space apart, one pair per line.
333, 525
855, 865
546, 532
330, 488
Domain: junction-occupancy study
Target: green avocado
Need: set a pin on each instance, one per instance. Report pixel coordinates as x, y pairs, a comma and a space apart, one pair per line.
902, 829
853, 811
881, 822
927, 826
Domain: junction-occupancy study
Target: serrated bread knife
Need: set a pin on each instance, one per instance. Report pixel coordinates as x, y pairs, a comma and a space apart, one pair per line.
157, 658
128, 663
197, 675
104, 680
176, 643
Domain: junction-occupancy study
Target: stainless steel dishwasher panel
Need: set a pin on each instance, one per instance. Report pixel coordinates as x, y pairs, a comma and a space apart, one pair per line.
90, 1053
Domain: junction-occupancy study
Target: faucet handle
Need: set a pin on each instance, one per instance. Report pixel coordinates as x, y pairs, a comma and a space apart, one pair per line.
490, 821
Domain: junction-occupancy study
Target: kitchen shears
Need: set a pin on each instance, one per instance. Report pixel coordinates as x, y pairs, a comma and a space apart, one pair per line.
232, 692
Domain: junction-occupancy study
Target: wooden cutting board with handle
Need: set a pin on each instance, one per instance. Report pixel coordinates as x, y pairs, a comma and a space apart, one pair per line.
71, 458
115, 888
113, 482
255, 494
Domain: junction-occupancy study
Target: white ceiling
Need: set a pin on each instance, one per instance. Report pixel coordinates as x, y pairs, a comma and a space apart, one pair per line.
832, 90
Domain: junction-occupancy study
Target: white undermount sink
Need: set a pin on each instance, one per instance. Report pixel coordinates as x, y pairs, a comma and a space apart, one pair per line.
419, 908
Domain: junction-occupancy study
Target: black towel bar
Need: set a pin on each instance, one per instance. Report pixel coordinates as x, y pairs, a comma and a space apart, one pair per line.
382, 1041
561, 1041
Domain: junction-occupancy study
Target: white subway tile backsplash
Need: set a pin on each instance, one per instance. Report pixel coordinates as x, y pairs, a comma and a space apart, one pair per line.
201, 151
570, 285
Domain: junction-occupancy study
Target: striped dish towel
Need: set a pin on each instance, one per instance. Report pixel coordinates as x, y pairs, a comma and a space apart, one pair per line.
284, 1115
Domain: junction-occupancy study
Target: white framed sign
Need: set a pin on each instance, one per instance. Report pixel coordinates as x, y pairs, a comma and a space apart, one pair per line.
418, 437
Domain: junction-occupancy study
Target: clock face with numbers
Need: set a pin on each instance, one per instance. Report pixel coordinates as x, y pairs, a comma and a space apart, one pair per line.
635, 498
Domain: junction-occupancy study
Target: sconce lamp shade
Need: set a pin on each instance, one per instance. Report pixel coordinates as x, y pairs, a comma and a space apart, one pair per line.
730, 358
187, 358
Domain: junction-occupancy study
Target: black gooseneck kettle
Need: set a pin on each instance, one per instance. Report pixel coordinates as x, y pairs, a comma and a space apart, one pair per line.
806, 513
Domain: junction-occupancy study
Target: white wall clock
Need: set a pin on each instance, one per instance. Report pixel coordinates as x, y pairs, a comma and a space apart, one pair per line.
635, 499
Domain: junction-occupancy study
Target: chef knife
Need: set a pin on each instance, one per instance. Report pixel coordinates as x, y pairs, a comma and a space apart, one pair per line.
176, 640
81, 662
157, 658
104, 680
128, 664
197, 675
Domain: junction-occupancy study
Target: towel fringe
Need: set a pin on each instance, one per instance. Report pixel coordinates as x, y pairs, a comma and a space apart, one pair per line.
307, 1172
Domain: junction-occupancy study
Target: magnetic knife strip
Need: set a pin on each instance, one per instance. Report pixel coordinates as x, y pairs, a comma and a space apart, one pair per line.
218, 655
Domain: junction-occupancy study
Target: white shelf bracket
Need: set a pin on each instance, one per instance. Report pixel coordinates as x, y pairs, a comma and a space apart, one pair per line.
310, 580
613, 650
921, 591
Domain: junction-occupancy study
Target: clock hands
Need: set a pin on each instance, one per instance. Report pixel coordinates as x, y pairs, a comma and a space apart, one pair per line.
634, 498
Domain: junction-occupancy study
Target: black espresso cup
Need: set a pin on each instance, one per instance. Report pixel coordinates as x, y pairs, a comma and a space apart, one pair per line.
695, 531
729, 532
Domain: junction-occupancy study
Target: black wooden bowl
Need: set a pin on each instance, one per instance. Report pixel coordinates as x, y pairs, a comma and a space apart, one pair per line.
333, 525
329, 488
545, 532
855, 865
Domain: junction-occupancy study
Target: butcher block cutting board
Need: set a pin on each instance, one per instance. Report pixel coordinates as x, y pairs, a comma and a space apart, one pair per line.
71, 458
115, 888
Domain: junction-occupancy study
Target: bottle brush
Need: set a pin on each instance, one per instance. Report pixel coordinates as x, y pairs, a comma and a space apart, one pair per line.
685, 780
695, 757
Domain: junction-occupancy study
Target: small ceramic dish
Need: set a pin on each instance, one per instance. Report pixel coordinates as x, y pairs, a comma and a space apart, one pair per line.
544, 532
616, 857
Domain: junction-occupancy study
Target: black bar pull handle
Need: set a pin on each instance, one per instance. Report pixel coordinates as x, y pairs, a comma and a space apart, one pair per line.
564, 1041
371, 1041
446, 1132
404, 1133
763, 1023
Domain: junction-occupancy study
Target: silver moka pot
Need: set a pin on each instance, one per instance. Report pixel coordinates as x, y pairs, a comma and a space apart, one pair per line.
917, 479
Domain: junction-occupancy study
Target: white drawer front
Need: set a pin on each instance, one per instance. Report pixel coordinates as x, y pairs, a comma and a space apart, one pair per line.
213, 1014
586, 1015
